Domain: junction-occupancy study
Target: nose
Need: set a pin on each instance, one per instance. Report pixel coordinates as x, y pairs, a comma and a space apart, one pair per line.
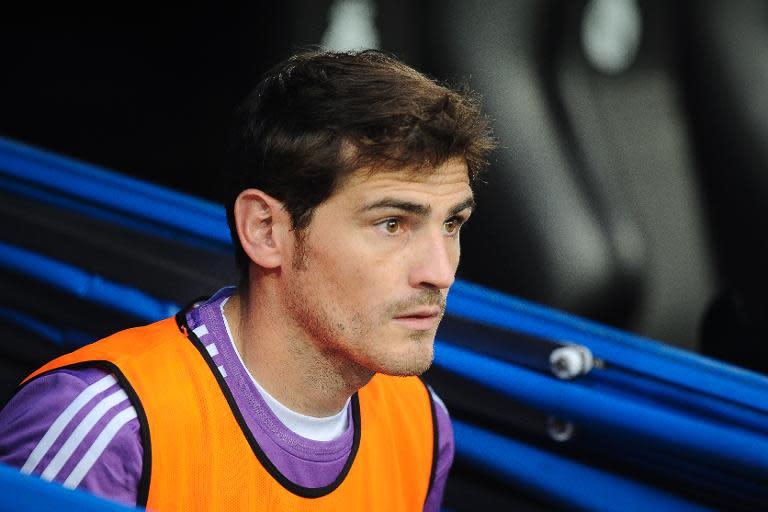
435, 262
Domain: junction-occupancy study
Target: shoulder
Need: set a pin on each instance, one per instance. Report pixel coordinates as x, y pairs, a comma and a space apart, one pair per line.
444, 431
409, 391
416, 395
47, 395
76, 427
123, 345
445, 450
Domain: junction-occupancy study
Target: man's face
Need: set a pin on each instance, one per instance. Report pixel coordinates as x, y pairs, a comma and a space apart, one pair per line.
370, 276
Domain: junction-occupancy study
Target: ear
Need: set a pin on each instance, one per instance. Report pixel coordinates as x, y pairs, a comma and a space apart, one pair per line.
261, 224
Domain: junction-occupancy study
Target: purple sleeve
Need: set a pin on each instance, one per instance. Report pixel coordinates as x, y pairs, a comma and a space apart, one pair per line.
78, 428
444, 455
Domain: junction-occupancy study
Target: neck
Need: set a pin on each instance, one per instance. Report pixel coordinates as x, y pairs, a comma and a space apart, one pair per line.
284, 361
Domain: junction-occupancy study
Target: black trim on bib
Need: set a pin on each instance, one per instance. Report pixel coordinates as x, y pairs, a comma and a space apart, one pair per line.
435, 438
141, 416
304, 492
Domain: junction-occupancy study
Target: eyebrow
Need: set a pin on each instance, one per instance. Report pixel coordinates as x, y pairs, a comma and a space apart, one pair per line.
467, 203
415, 208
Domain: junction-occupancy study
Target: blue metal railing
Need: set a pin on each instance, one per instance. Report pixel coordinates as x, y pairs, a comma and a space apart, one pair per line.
30, 494
569, 484
701, 409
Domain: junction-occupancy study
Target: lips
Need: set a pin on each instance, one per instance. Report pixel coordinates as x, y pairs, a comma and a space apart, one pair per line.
420, 319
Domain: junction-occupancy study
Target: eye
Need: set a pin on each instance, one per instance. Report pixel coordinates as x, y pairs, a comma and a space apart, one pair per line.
391, 226
452, 225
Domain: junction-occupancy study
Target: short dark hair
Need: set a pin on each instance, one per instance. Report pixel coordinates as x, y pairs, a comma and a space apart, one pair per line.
318, 116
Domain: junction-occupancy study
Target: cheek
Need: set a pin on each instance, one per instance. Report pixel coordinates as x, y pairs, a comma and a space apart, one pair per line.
340, 278
357, 278
362, 291
345, 263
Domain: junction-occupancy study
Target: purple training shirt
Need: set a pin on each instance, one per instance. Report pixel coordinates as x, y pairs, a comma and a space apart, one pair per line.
77, 427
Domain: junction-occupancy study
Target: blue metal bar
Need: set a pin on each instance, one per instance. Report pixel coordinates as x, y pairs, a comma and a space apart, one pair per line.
643, 356
514, 347
569, 484
615, 381
31, 494
57, 336
161, 206
701, 480
85, 285
466, 300
112, 217
709, 442
90, 183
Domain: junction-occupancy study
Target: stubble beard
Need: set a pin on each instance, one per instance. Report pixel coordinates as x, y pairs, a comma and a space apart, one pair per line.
347, 338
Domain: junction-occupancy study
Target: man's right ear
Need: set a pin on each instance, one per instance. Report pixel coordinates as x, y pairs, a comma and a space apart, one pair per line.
262, 224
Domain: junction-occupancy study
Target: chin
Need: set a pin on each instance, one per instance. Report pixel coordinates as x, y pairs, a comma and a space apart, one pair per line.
415, 362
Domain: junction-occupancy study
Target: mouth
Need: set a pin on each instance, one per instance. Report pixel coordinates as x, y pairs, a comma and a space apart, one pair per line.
421, 319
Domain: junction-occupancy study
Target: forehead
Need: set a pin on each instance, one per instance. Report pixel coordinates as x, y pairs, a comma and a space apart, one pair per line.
450, 181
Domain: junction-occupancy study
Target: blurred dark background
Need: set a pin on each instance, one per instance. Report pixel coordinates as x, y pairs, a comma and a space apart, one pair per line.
632, 175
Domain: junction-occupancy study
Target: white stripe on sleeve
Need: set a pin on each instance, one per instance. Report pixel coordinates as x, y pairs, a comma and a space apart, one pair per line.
60, 423
85, 426
98, 447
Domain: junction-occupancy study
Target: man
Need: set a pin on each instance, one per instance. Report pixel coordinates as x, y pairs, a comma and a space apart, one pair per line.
351, 180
